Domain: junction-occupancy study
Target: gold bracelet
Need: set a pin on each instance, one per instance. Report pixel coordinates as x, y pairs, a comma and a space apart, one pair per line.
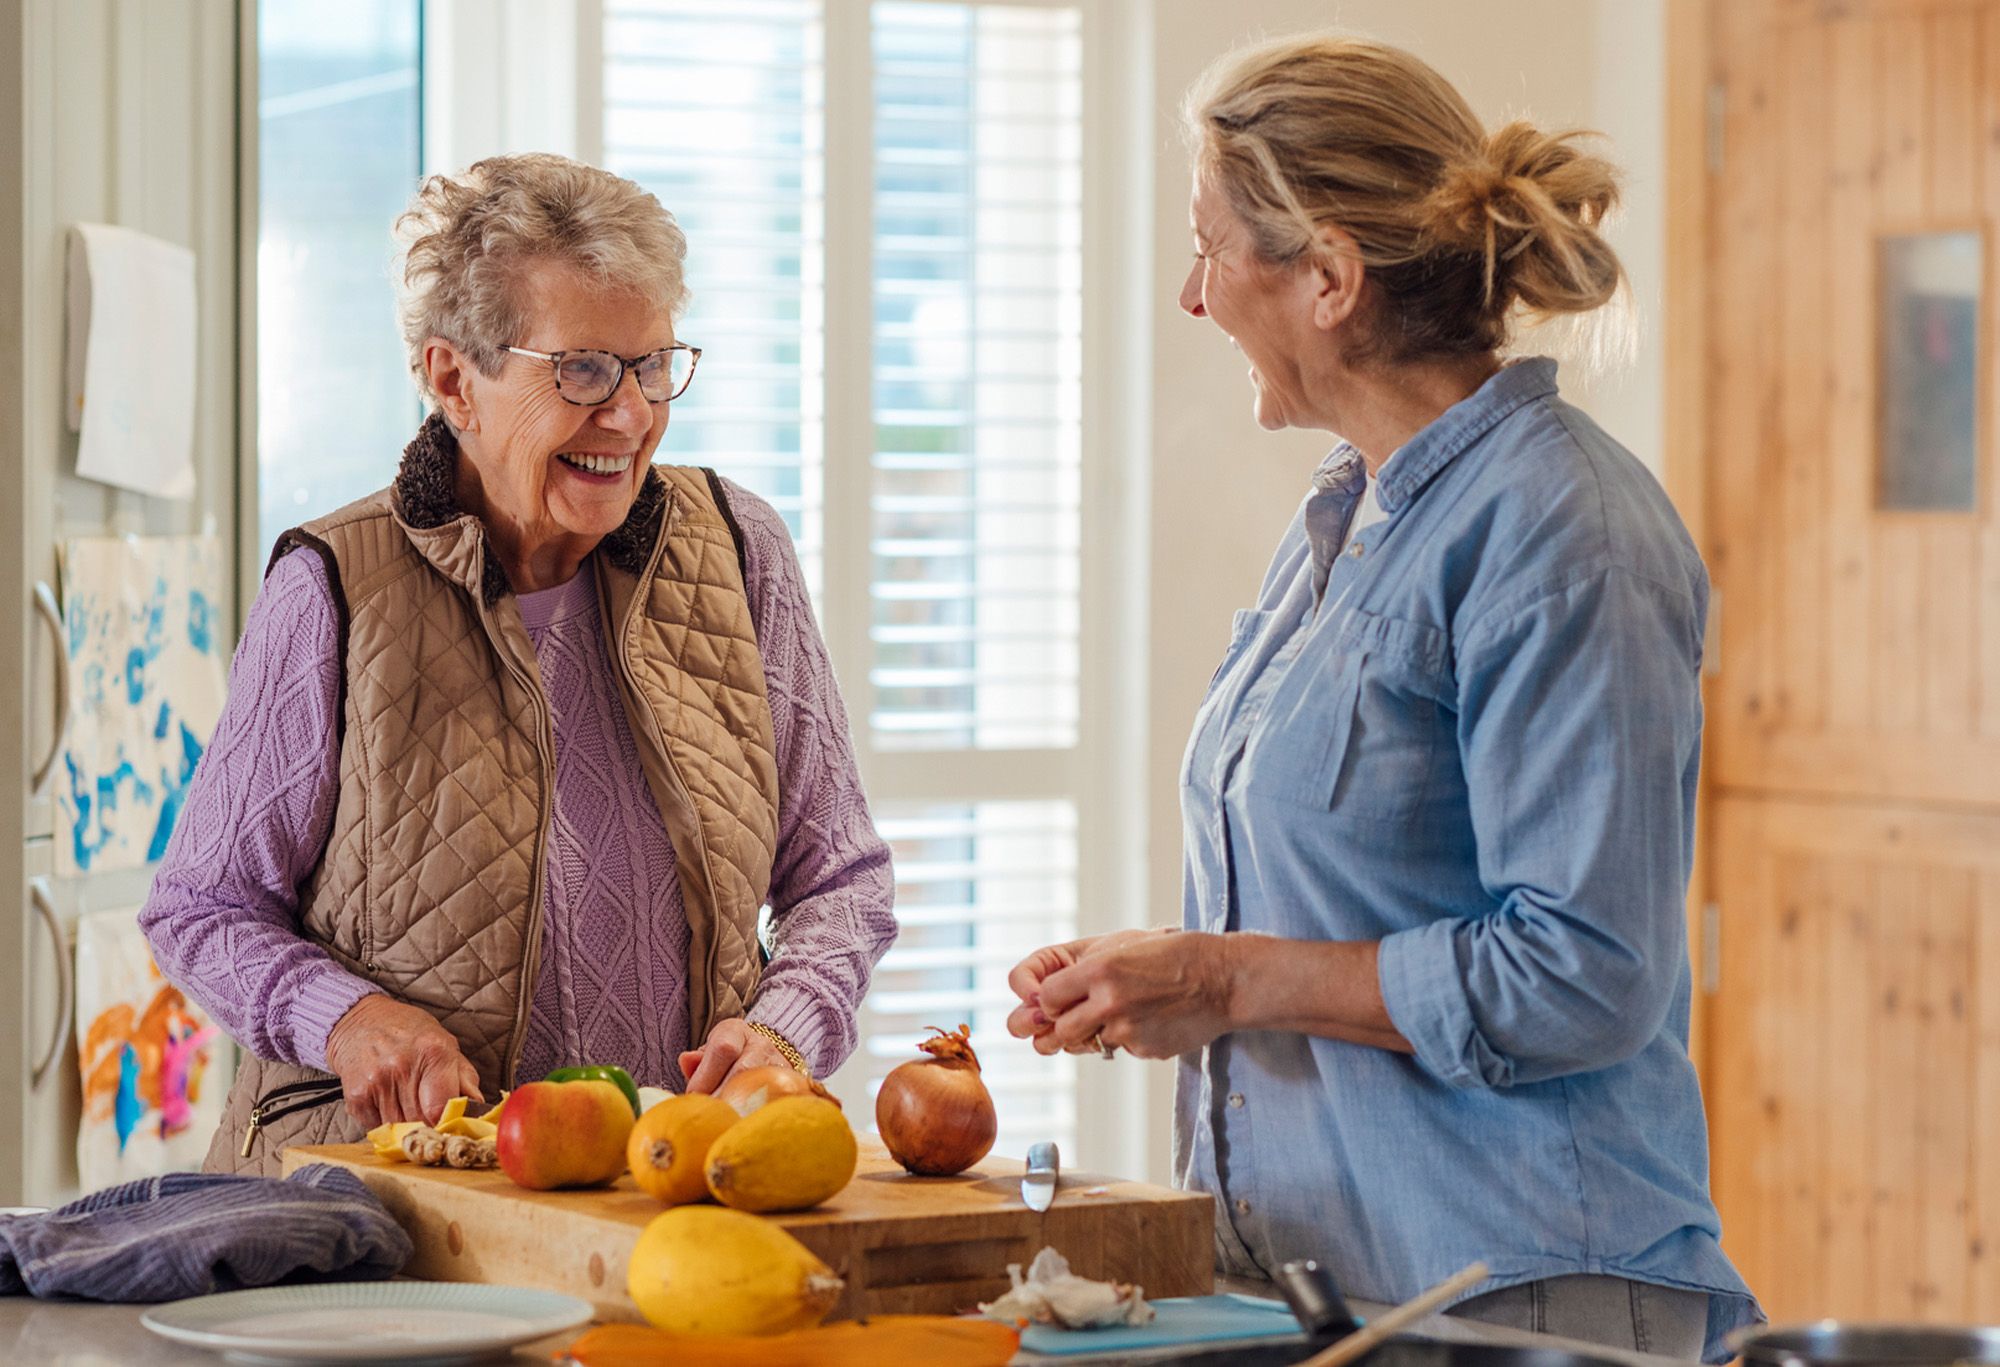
785, 1046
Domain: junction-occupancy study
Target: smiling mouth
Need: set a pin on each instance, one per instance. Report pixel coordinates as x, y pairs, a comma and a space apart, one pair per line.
593, 463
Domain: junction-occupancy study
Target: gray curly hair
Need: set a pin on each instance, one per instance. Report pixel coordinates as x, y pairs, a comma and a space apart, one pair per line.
463, 240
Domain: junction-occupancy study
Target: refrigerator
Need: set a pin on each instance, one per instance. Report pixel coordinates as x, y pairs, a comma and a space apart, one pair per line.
122, 112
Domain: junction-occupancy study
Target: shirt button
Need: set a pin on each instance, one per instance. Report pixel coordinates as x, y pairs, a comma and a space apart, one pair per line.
1242, 1206
1354, 551
1236, 1101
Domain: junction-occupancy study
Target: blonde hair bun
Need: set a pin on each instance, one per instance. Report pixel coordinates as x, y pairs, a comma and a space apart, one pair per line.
1530, 208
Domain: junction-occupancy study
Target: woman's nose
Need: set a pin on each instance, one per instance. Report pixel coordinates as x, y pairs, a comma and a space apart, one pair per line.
627, 409
1191, 293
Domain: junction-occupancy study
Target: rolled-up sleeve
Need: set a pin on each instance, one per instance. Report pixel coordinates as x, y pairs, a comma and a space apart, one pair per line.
1579, 730
222, 915
832, 891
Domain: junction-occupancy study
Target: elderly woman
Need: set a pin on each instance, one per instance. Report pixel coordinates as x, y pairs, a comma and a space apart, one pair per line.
517, 748
1430, 996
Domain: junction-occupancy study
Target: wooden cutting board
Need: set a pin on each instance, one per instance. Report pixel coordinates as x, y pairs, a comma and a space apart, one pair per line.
906, 1245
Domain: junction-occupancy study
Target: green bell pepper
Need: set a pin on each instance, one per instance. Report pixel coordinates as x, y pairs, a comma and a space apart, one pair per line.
601, 1072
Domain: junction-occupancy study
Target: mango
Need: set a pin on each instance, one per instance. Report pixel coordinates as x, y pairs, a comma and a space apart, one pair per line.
792, 1153
668, 1150
700, 1270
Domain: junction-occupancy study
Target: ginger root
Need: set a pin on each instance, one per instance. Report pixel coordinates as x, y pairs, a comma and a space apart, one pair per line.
430, 1148
463, 1151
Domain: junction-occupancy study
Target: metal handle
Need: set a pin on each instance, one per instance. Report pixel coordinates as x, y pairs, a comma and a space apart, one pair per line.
38, 893
45, 607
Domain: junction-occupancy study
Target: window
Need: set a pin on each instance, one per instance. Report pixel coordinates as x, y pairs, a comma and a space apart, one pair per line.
722, 115
975, 507
338, 123
978, 376
921, 428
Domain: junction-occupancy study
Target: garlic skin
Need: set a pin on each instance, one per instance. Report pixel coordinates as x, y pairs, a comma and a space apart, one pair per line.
1052, 1294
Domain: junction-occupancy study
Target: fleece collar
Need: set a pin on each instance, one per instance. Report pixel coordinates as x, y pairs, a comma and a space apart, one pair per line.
426, 497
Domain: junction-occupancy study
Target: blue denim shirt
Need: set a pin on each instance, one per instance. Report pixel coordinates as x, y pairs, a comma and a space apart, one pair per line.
1472, 736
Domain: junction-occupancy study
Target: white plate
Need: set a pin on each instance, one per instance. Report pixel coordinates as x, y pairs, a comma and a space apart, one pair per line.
346, 1322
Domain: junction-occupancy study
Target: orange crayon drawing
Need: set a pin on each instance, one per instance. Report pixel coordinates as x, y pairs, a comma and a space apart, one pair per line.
140, 1062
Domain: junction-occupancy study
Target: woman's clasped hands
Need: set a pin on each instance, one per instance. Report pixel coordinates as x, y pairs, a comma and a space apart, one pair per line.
1153, 993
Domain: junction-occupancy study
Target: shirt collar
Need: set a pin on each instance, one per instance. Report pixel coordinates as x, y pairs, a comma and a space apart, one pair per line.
1337, 486
1465, 422
1342, 472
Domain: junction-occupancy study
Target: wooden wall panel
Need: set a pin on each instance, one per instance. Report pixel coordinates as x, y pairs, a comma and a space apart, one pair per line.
1983, 1197
1806, 192
1848, 356
1900, 177
1860, 646
1857, 1055
1986, 649
1845, 1217
1954, 192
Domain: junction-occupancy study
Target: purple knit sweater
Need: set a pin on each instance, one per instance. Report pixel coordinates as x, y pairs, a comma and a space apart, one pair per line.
222, 916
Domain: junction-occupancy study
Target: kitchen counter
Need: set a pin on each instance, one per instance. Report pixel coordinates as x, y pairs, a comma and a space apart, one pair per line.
80, 1334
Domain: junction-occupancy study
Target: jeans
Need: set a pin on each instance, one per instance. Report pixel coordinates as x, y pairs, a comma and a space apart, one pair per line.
1636, 1316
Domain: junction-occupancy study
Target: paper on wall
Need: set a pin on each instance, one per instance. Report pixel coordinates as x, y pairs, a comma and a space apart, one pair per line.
131, 359
154, 1066
147, 683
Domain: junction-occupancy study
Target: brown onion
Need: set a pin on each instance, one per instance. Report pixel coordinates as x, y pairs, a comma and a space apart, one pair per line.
935, 1113
750, 1089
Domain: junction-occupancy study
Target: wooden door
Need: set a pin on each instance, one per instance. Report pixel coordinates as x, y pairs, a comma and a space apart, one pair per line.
1852, 1038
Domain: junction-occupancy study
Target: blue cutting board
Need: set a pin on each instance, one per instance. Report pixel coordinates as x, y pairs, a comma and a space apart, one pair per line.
1180, 1319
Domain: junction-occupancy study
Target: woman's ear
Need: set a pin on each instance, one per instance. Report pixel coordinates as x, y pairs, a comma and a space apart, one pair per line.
1336, 277
452, 378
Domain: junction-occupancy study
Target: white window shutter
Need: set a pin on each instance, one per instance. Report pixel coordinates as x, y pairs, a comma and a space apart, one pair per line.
972, 585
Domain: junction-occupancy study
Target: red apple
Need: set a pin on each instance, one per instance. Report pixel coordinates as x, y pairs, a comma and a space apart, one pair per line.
564, 1134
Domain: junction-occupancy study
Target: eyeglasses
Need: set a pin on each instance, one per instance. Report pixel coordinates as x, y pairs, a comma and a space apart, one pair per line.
589, 378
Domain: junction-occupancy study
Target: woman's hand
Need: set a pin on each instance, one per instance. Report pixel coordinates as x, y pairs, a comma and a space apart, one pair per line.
397, 1063
1153, 993
731, 1045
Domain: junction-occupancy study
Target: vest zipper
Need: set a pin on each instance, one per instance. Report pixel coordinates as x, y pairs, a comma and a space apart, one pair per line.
280, 1102
531, 958
698, 1030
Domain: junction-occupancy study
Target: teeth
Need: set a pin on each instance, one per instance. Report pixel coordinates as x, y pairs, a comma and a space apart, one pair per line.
597, 465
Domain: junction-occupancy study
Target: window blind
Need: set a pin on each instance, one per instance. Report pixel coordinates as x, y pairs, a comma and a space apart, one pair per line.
978, 376
978, 887
719, 111
970, 590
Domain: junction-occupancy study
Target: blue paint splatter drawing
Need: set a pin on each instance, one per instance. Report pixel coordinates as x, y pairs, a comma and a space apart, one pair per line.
143, 637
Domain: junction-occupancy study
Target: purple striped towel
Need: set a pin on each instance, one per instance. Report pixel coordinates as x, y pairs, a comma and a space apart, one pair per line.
191, 1234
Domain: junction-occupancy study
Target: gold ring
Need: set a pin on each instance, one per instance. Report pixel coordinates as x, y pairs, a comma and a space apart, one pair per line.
1103, 1050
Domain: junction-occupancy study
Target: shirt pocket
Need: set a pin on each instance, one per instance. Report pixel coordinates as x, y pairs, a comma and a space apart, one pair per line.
1243, 629
1358, 726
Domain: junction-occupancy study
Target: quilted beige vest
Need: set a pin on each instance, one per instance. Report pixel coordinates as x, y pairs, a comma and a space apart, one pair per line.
431, 882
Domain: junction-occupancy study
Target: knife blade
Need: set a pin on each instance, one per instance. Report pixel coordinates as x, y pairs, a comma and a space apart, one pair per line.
1038, 1183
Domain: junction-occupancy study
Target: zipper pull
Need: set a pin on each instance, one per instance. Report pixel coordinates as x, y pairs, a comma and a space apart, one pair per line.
250, 1130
